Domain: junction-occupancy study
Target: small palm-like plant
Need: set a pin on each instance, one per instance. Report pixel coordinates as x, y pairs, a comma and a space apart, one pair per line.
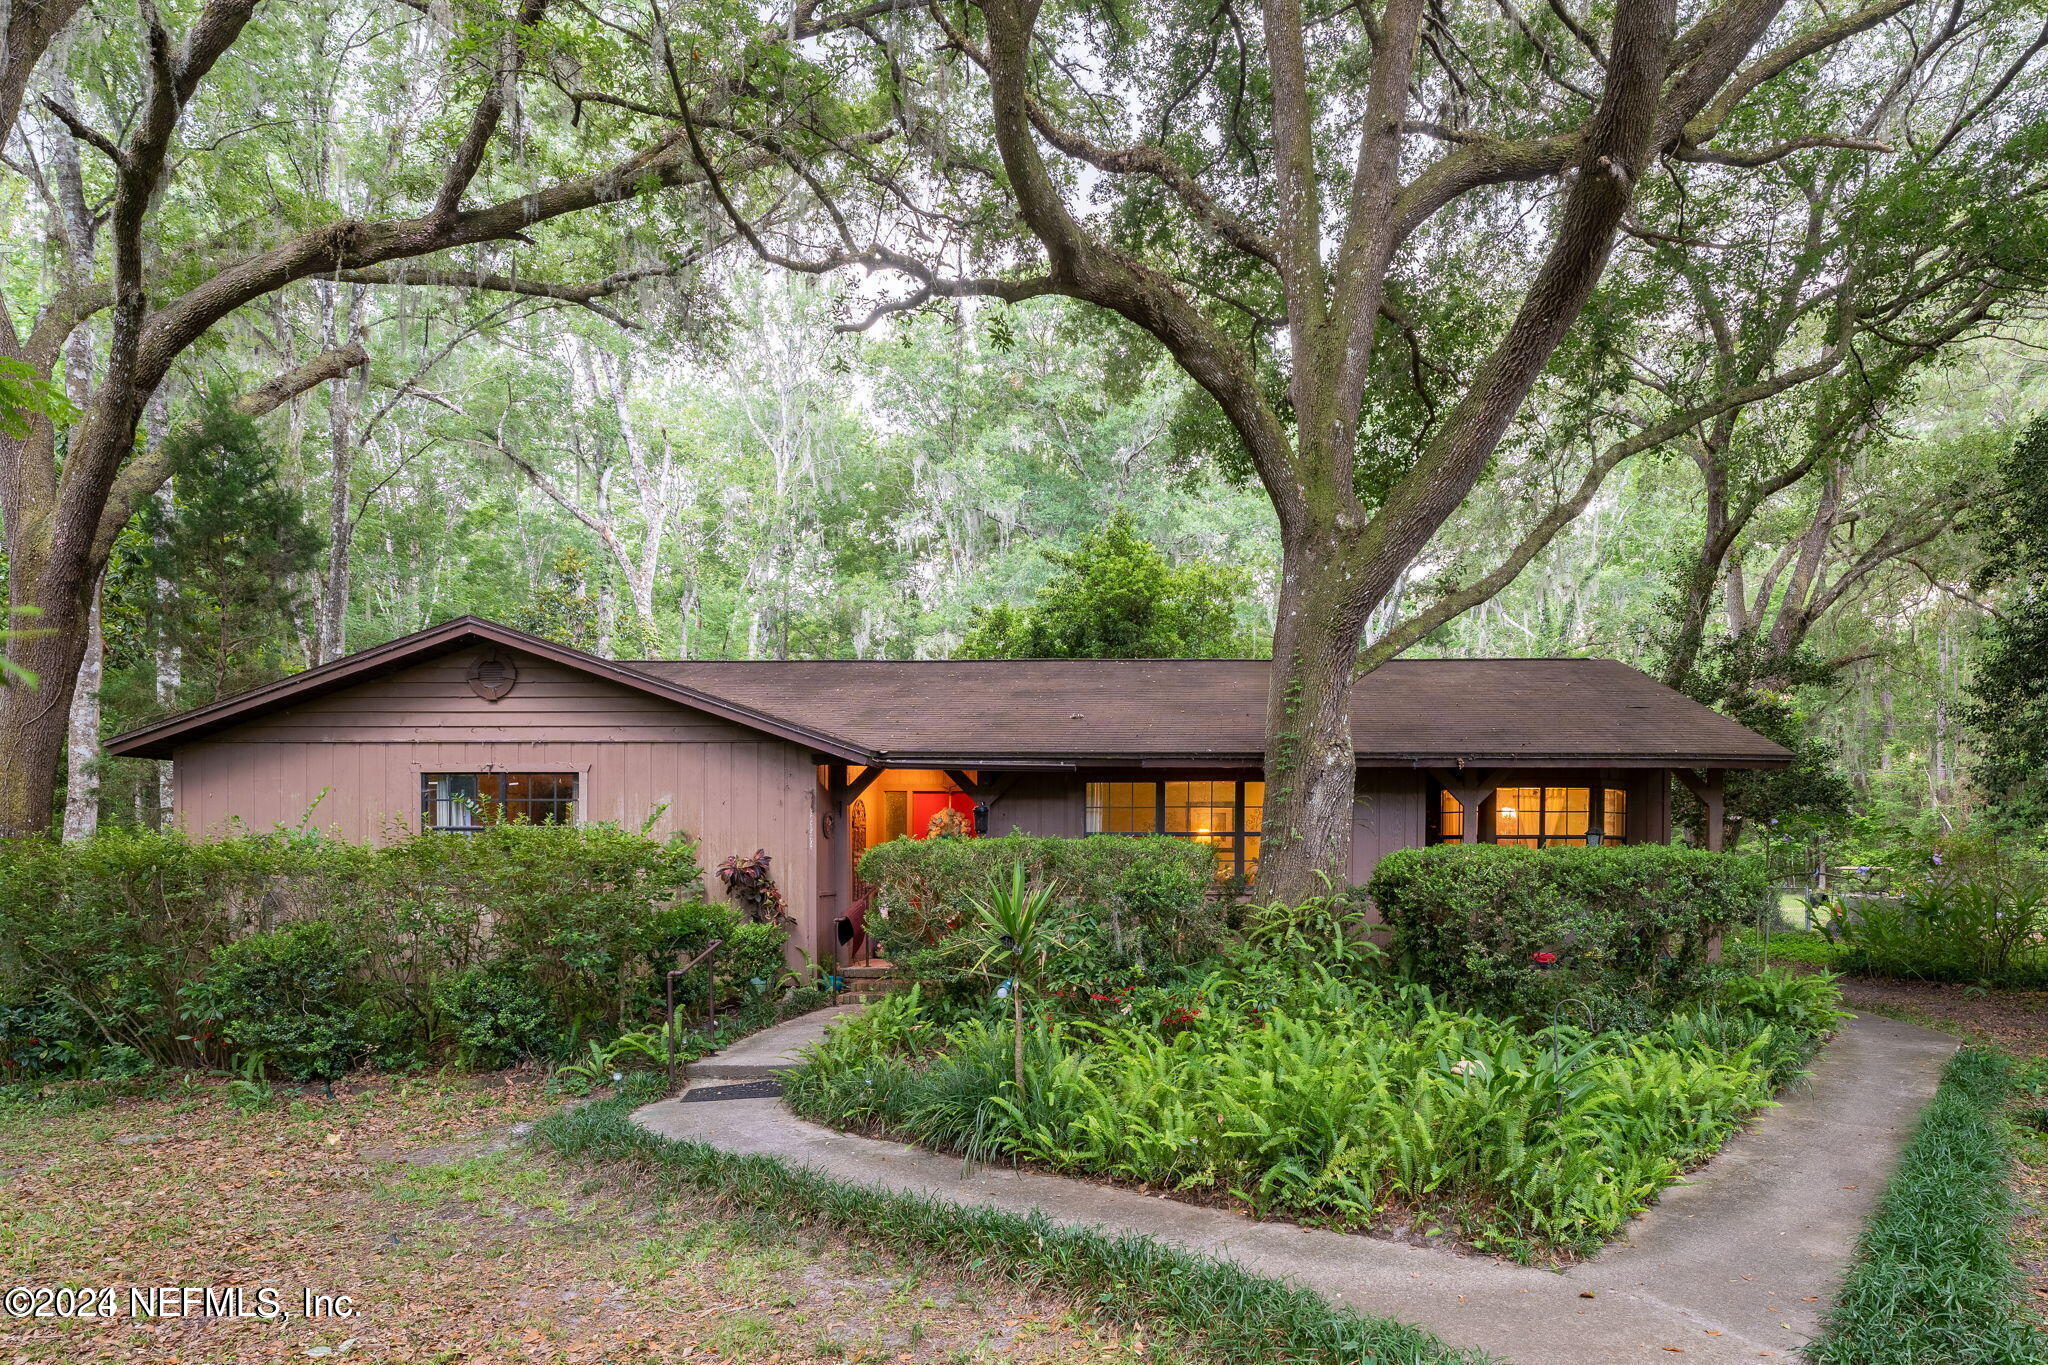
1019, 917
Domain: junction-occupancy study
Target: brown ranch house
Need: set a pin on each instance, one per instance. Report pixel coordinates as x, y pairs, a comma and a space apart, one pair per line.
817, 761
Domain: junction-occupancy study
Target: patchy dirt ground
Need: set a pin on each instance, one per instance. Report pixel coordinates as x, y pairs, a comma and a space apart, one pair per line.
2014, 1020
454, 1246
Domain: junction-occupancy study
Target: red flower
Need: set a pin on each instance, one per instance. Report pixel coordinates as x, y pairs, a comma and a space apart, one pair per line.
1545, 959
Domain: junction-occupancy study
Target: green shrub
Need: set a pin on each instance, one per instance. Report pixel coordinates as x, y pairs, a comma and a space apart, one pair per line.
752, 956
1122, 906
492, 1016
98, 936
1629, 929
1934, 1278
290, 996
516, 940
574, 905
1336, 1099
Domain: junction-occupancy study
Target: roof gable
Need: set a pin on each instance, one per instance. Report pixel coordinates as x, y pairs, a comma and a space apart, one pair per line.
157, 740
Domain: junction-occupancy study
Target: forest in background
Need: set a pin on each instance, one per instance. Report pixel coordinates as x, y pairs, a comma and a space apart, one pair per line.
633, 435
790, 493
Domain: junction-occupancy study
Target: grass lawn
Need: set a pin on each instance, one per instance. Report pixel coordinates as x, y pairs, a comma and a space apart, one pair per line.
457, 1245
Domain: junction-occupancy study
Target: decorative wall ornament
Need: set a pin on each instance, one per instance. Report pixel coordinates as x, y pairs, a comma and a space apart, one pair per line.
492, 675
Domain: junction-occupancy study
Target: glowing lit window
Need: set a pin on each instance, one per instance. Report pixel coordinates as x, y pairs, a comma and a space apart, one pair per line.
1539, 817
1226, 816
1614, 815
1450, 820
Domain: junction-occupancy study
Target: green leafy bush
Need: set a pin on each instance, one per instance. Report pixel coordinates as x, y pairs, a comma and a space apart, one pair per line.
1335, 1099
290, 996
97, 936
514, 941
493, 1015
574, 905
1627, 930
1122, 906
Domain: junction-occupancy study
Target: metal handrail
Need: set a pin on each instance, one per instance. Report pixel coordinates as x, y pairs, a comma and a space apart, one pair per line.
710, 1001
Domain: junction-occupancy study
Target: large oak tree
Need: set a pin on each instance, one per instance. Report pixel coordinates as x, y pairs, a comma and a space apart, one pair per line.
169, 243
1362, 231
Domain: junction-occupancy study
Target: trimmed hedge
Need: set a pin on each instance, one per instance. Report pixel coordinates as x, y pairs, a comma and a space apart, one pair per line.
1934, 1278
1123, 905
1134, 1281
138, 948
1628, 927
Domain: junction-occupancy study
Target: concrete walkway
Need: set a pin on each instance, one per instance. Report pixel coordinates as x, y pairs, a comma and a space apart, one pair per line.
1737, 1265
759, 1056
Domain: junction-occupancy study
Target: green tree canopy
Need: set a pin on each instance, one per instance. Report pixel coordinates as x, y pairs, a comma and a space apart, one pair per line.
2009, 695
1119, 597
218, 569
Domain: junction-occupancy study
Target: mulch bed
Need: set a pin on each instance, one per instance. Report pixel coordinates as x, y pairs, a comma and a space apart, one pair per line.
2014, 1020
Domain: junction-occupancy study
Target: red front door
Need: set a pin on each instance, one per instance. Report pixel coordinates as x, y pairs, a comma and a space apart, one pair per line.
955, 809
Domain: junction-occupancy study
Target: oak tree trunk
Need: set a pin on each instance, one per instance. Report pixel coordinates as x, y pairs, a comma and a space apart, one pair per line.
35, 720
1311, 759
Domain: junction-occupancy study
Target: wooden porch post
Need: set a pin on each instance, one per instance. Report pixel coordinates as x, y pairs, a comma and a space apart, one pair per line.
1472, 790
1712, 792
840, 794
839, 860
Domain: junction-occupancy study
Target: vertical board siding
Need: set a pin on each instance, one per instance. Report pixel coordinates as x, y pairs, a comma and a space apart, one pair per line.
731, 789
1046, 804
1387, 812
1649, 806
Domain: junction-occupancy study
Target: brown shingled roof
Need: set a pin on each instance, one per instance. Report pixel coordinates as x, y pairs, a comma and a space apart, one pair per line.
1038, 711
1027, 710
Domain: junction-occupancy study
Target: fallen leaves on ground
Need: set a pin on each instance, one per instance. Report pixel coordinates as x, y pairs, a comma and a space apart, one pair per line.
455, 1244
2014, 1020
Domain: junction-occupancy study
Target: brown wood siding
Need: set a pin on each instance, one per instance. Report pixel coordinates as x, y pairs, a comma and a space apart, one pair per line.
349, 764
1049, 804
1389, 812
550, 702
1649, 806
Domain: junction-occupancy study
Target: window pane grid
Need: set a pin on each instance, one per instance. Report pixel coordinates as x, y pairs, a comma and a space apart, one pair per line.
1540, 817
1223, 815
463, 803
1614, 816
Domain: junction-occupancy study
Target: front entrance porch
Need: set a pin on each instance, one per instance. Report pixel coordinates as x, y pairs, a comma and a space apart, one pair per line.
868, 806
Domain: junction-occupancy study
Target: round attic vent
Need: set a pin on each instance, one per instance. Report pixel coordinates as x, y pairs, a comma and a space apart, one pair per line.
491, 676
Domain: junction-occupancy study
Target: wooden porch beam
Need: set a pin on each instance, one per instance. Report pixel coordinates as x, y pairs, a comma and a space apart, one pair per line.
963, 781
864, 781
1712, 791
1473, 791
988, 793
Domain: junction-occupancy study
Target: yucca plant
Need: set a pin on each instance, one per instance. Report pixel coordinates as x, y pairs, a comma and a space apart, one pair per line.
1019, 917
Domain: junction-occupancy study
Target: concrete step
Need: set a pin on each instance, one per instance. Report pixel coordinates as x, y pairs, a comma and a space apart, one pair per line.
770, 1052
